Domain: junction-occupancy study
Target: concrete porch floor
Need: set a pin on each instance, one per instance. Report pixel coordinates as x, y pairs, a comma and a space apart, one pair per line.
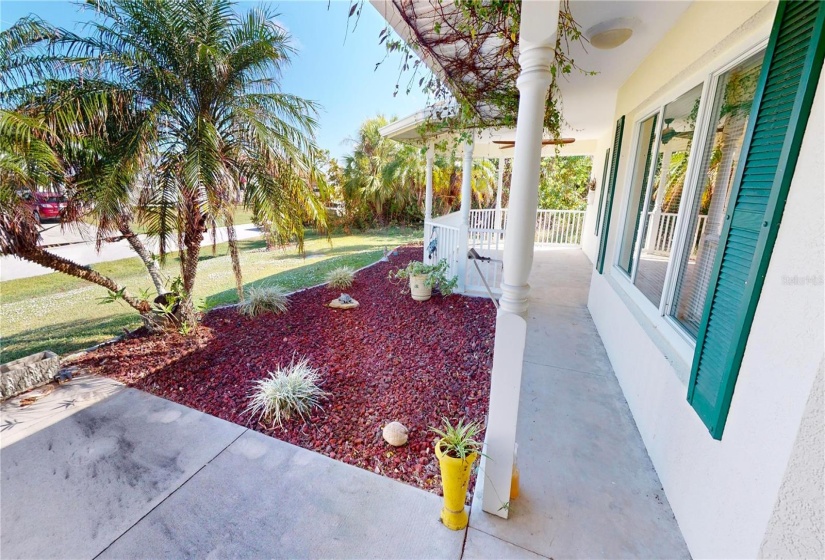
588, 488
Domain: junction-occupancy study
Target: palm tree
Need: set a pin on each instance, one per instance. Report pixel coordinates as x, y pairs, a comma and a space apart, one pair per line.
200, 108
26, 158
32, 153
364, 180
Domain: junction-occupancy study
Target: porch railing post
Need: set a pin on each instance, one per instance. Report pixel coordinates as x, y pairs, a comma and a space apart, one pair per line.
537, 53
428, 198
466, 203
499, 188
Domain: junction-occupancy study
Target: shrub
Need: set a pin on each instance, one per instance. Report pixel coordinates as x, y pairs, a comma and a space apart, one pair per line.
286, 392
262, 299
340, 277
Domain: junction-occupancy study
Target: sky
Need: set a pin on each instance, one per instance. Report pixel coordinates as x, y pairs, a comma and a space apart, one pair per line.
338, 74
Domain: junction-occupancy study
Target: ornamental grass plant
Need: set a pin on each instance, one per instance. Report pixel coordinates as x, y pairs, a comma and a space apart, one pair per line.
263, 299
341, 277
286, 392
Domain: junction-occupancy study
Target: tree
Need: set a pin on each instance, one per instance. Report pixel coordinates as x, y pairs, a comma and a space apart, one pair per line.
201, 109
564, 182
32, 153
385, 180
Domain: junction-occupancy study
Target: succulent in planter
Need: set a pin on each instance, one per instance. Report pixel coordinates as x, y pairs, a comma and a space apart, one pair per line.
457, 450
424, 277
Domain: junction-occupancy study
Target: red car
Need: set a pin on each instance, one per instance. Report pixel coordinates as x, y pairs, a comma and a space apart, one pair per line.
45, 205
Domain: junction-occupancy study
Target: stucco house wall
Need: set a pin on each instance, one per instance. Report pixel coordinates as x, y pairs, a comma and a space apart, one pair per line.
725, 494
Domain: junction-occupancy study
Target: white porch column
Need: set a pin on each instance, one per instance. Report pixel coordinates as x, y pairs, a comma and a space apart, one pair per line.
428, 197
499, 187
653, 225
536, 45
466, 204
428, 200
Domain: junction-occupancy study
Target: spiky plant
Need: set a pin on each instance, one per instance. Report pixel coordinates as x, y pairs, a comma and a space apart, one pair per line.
341, 277
263, 299
286, 392
460, 440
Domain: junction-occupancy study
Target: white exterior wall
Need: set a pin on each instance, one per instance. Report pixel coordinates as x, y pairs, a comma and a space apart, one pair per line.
725, 493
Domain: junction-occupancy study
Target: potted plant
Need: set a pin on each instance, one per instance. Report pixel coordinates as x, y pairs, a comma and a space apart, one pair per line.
424, 277
457, 449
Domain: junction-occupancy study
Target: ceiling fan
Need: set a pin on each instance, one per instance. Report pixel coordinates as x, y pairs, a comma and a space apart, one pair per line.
505, 144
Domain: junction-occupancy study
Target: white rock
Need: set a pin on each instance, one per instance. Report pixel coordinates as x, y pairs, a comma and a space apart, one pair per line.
395, 433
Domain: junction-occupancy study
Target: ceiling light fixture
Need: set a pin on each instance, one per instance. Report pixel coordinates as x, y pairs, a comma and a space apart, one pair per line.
612, 33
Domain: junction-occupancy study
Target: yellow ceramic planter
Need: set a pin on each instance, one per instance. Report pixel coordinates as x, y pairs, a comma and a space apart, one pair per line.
455, 476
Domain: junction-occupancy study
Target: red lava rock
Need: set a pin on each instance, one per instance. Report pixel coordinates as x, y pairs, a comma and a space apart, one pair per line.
390, 359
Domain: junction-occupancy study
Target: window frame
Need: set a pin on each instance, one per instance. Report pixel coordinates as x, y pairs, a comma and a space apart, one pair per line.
659, 315
682, 229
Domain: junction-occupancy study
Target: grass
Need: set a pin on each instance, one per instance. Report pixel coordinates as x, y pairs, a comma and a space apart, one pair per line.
60, 313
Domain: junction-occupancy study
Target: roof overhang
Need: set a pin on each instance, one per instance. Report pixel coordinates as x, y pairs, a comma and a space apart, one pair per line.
486, 142
588, 100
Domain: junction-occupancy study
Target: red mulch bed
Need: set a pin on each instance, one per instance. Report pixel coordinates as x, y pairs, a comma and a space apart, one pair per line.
391, 359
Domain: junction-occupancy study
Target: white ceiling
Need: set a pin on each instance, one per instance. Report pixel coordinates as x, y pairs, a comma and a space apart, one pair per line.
590, 101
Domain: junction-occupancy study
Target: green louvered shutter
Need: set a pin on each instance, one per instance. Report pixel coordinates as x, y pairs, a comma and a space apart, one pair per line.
640, 212
603, 189
781, 107
611, 189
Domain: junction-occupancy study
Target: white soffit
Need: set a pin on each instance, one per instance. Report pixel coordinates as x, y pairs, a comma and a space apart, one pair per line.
588, 101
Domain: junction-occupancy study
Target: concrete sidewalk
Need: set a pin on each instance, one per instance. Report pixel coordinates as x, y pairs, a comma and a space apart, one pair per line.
98, 469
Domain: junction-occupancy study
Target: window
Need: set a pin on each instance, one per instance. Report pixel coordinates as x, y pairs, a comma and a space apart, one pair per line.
706, 213
638, 188
668, 261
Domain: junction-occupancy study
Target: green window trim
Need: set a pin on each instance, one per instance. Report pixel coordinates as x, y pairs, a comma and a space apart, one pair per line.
602, 191
787, 84
611, 190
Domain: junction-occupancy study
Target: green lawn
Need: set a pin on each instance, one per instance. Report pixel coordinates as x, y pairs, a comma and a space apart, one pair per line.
60, 313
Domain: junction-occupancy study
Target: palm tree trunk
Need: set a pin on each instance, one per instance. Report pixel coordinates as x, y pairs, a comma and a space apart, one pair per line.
233, 253
49, 260
190, 253
139, 248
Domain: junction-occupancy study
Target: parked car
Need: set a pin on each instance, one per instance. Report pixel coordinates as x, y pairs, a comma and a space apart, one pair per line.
45, 205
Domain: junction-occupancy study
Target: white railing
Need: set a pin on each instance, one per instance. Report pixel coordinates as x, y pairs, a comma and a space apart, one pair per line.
486, 219
665, 230
553, 228
559, 227
487, 243
446, 242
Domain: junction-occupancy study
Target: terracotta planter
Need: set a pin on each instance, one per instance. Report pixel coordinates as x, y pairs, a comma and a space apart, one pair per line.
419, 289
455, 477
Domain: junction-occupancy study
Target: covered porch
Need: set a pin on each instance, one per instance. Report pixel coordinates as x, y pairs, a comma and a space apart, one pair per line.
588, 488
450, 237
